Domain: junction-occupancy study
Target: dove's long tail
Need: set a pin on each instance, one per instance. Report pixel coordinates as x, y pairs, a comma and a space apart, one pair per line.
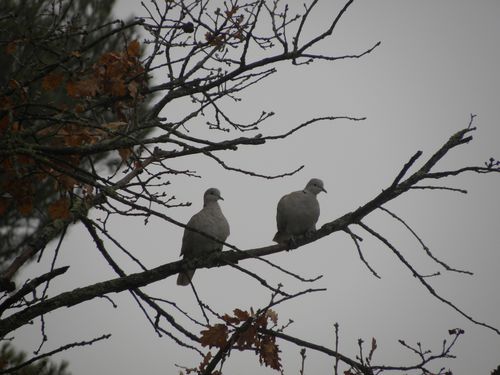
280, 237
185, 277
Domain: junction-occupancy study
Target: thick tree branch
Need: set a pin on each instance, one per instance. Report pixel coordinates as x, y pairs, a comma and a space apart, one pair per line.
140, 279
54, 228
136, 291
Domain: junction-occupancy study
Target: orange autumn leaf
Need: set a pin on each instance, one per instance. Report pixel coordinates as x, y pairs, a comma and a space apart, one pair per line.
11, 47
59, 209
82, 88
14, 84
87, 190
15, 127
77, 137
109, 58
241, 314
215, 335
205, 361
52, 81
25, 205
71, 89
261, 321
118, 88
4, 123
7, 165
6, 102
230, 319
272, 315
116, 125
125, 153
88, 87
269, 353
24, 160
248, 338
134, 49
79, 108
4, 204
133, 89
66, 182
68, 135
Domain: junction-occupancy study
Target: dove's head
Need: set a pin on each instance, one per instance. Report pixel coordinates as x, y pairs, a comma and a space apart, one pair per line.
315, 186
211, 195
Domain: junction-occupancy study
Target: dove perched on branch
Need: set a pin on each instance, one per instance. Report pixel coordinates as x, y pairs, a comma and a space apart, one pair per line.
209, 220
298, 212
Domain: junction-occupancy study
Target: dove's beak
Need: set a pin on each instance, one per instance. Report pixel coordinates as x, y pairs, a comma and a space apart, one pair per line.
324, 190
220, 197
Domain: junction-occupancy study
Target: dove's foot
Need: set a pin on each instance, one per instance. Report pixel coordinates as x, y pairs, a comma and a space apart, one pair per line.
291, 243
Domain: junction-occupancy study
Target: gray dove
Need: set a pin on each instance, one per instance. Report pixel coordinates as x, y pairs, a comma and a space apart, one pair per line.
209, 220
298, 212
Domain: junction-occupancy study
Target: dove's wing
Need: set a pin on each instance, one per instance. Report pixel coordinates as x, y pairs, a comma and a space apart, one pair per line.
281, 216
211, 221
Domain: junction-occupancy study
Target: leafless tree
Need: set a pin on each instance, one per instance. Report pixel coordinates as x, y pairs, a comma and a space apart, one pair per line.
105, 150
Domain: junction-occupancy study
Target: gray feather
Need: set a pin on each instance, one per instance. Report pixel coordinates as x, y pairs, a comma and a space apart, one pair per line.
211, 221
298, 212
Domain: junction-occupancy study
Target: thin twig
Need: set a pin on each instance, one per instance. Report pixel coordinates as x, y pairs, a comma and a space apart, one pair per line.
424, 246
51, 353
199, 301
336, 366
446, 188
358, 247
258, 278
303, 360
422, 279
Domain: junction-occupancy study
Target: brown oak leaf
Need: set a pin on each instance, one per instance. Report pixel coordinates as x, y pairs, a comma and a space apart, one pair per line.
52, 81
118, 88
82, 88
125, 153
4, 204
248, 338
215, 335
273, 315
133, 89
134, 49
11, 47
241, 314
25, 205
59, 209
205, 361
4, 123
66, 182
269, 353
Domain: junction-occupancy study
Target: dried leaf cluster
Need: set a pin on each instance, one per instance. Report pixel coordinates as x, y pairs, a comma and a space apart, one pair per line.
244, 330
116, 77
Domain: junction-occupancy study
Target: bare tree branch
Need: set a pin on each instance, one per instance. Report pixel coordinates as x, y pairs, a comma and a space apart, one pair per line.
144, 278
51, 353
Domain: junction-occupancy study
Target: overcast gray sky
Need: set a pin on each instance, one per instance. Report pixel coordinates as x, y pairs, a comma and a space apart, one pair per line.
438, 63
